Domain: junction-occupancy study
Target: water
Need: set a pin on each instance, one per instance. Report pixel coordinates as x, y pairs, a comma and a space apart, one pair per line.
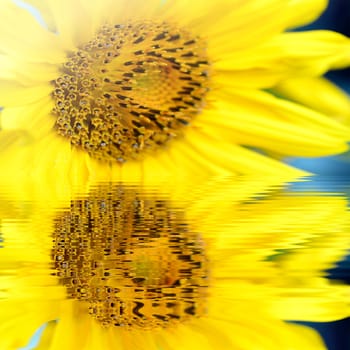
124, 261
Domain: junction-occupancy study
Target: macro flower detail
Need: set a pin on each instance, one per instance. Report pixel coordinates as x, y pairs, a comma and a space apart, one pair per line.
131, 89
134, 260
142, 90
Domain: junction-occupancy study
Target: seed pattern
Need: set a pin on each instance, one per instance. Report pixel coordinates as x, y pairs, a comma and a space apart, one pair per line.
131, 258
131, 89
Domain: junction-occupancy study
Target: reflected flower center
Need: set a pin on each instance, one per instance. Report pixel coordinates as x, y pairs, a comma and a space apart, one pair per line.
133, 260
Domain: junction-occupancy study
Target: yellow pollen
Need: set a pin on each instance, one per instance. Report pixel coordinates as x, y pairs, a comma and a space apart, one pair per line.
131, 258
131, 89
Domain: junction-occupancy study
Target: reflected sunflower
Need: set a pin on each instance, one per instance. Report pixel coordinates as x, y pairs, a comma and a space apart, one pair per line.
130, 267
145, 89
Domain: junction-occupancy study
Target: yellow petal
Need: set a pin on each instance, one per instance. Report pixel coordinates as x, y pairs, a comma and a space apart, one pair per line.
317, 93
35, 118
286, 55
29, 39
303, 12
13, 94
259, 119
28, 73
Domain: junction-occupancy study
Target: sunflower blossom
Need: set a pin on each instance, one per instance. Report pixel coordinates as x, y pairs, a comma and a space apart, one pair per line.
140, 268
150, 88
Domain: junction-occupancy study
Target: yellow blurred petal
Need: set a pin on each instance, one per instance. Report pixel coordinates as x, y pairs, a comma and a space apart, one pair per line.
73, 25
318, 94
320, 303
45, 12
244, 160
314, 52
33, 119
252, 330
28, 73
298, 54
259, 119
43, 45
29, 315
14, 94
250, 21
47, 335
305, 11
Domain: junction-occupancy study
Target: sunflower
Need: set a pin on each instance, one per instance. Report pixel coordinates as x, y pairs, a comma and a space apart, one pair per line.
130, 267
142, 89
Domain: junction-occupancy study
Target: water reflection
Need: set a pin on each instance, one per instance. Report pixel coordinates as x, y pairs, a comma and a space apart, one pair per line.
132, 257
225, 263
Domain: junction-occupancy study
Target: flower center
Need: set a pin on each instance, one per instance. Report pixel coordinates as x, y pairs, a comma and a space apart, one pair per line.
131, 89
132, 259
